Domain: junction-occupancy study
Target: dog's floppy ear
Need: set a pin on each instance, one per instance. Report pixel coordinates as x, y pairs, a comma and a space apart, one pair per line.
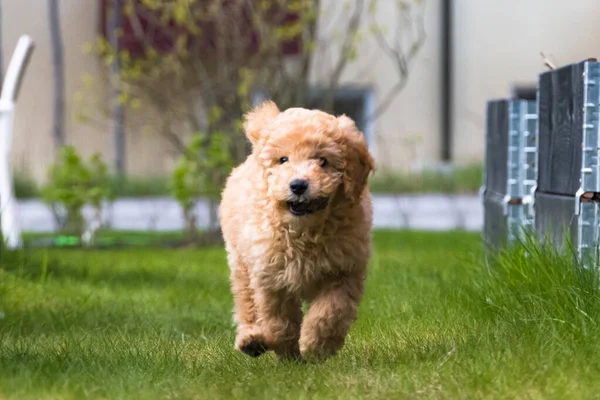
359, 162
257, 119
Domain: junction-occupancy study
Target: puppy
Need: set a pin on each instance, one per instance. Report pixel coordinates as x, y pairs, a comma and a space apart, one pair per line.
296, 218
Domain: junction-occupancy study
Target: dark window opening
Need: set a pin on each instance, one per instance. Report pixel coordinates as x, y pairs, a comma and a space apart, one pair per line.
524, 92
354, 103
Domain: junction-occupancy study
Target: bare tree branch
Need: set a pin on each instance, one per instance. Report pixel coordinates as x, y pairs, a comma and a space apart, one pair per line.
114, 25
218, 53
1, 49
549, 64
401, 58
346, 51
136, 25
59, 73
307, 55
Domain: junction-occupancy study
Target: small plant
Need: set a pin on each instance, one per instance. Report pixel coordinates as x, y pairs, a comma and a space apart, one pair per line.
25, 186
458, 180
201, 171
128, 186
73, 184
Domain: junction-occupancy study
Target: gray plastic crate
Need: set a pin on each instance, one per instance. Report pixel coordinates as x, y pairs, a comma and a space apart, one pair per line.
568, 129
569, 157
557, 220
503, 223
510, 176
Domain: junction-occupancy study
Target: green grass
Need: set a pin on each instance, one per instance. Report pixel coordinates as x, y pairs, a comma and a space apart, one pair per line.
459, 180
436, 322
106, 238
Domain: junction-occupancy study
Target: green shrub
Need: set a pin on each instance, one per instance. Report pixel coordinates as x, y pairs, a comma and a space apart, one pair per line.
74, 183
201, 171
464, 179
25, 187
140, 187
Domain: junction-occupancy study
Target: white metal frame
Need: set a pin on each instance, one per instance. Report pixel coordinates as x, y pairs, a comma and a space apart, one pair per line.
9, 220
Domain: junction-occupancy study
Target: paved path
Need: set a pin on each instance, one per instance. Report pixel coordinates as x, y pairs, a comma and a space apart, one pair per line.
424, 212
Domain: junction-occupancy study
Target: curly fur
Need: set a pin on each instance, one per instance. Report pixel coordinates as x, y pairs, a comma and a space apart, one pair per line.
278, 259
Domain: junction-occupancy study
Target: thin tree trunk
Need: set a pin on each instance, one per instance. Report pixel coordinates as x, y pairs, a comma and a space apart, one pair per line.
115, 22
190, 219
59, 73
328, 101
212, 215
300, 95
1, 50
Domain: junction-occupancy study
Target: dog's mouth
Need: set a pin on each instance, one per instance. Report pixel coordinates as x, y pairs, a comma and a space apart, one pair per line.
302, 207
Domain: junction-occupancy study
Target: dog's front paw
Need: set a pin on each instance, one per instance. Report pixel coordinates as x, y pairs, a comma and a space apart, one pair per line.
253, 348
252, 344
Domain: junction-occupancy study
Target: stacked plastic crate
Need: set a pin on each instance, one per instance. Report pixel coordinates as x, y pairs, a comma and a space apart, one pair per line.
568, 194
510, 169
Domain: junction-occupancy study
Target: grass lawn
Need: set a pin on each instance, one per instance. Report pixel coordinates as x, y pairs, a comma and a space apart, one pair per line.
130, 240
436, 322
106, 239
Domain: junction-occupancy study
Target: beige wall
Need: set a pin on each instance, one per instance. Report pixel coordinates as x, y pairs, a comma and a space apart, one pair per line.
412, 118
408, 132
33, 145
497, 44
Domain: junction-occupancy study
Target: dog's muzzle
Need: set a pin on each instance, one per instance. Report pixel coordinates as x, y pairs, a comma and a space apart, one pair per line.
302, 207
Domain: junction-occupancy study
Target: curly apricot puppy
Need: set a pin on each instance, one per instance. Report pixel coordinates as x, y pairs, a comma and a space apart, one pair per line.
296, 218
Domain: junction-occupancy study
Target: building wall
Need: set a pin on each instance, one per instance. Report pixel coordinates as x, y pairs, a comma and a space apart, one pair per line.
497, 44
408, 132
86, 90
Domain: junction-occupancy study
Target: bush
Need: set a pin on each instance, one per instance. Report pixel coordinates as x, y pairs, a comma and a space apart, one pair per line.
465, 179
140, 187
201, 171
25, 187
74, 183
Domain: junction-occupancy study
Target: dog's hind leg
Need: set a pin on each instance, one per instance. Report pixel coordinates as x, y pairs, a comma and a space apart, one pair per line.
329, 318
249, 339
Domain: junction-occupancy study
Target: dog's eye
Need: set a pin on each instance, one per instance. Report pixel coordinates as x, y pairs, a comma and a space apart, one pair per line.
323, 162
283, 160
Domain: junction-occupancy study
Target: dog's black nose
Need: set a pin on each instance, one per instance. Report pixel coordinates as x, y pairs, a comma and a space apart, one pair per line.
298, 186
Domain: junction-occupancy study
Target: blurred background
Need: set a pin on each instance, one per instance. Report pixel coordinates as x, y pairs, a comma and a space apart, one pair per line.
129, 116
